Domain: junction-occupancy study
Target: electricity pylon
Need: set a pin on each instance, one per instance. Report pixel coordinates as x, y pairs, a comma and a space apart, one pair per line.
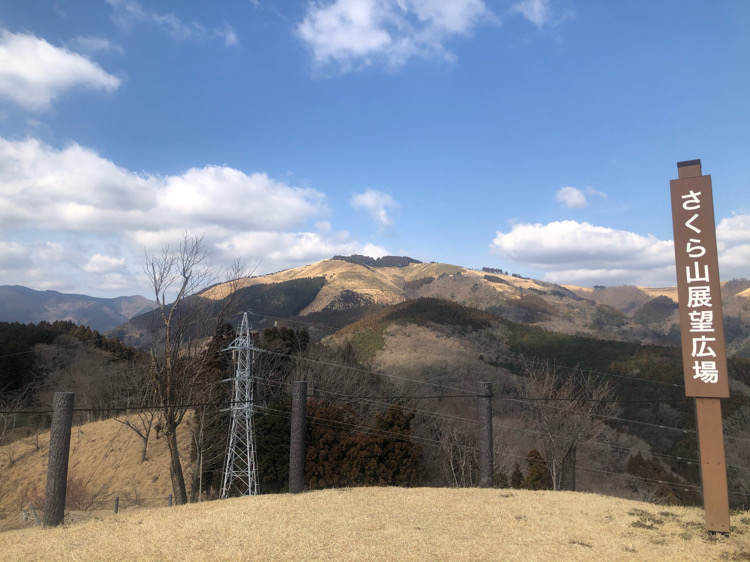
240, 466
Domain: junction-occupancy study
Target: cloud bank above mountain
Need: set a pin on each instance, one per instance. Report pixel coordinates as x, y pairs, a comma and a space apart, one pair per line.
106, 215
569, 251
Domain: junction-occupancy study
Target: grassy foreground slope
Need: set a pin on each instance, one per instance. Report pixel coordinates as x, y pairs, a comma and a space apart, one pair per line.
392, 523
104, 462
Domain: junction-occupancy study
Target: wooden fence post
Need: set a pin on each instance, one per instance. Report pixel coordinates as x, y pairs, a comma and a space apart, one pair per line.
297, 439
117, 504
486, 461
57, 466
32, 509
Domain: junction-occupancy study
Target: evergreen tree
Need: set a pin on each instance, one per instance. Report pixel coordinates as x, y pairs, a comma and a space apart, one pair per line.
538, 476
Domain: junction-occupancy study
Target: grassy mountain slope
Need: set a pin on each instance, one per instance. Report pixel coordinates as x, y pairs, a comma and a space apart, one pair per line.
283, 299
628, 313
393, 523
104, 462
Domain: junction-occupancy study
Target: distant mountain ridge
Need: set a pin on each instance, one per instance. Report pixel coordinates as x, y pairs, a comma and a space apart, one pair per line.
355, 285
21, 304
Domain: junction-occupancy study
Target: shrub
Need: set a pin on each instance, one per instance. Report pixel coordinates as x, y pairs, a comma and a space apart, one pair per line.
538, 476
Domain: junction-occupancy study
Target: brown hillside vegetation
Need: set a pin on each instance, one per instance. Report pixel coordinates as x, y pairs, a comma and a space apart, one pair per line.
395, 524
104, 463
603, 312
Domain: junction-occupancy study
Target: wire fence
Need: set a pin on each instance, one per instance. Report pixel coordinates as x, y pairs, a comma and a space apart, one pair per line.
596, 470
445, 438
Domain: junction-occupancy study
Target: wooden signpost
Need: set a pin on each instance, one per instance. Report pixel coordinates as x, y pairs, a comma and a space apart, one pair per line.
704, 358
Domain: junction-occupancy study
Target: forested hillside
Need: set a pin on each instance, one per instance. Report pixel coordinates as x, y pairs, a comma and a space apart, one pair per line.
20, 361
394, 375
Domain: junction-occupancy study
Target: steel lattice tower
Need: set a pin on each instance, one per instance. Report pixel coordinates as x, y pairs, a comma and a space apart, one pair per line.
240, 472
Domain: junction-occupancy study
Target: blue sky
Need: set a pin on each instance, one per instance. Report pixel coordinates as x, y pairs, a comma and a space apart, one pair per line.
537, 136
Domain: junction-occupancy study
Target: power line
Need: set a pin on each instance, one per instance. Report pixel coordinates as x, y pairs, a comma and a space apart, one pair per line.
432, 442
421, 411
594, 441
360, 370
555, 365
370, 429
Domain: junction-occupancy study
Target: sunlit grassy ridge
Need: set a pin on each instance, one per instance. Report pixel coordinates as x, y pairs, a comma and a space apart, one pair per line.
392, 523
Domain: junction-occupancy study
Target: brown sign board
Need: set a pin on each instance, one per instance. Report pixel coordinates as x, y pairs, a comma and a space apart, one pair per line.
698, 289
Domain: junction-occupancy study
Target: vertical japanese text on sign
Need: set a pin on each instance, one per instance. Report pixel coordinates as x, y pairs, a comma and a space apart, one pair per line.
698, 287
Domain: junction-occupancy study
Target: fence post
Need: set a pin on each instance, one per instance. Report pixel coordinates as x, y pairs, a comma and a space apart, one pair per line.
57, 465
32, 509
117, 504
297, 438
486, 464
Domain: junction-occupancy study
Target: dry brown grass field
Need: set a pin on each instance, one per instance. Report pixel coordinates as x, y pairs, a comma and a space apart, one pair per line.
394, 524
104, 462
356, 523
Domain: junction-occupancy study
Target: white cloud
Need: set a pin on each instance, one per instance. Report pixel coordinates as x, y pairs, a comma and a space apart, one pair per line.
76, 189
579, 252
14, 256
376, 203
356, 33
284, 249
572, 243
33, 73
128, 13
733, 241
734, 229
102, 216
537, 12
592, 191
571, 197
91, 45
229, 35
575, 198
372, 250
571, 251
104, 264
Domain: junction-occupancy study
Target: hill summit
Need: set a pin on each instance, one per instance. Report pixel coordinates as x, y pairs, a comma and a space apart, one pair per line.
357, 284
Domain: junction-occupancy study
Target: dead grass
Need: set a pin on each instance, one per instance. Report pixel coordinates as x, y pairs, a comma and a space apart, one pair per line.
361, 523
394, 524
104, 462
384, 285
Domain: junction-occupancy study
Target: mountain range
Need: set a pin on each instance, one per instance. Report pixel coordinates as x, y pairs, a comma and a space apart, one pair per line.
443, 325
353, 286
21, 304
331, 294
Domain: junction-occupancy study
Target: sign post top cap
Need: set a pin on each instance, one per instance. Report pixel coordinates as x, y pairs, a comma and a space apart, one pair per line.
689, 168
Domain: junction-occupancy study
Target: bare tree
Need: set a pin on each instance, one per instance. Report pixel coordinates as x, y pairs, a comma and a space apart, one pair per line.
567, 408
90, 373
459, 452
8, 405
139, 394
176, 359
210, 424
